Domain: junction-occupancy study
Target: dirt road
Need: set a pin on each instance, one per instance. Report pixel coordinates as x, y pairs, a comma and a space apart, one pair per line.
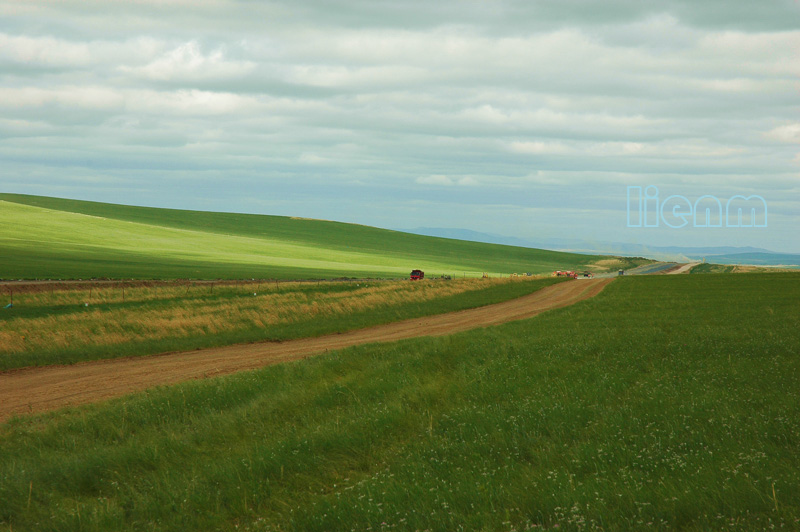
683, 268
48, 388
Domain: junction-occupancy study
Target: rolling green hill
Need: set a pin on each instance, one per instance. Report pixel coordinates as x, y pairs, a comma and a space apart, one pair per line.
42, 237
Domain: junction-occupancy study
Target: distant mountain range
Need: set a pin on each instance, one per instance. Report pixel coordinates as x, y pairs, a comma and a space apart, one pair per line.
714, 254
758, 259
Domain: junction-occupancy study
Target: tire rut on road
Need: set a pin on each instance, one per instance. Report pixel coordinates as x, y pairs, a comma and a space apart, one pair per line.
31, 390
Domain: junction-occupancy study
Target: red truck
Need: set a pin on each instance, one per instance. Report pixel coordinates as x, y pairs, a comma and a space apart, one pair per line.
416, 275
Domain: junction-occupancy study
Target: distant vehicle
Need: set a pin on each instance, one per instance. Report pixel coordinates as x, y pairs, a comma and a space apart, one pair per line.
621, 272
416, 275
588, 274
568, 273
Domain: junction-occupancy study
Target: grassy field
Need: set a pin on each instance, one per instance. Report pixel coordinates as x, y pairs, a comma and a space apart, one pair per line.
731, 268
713, 268
68, 326
56, 238
666, 402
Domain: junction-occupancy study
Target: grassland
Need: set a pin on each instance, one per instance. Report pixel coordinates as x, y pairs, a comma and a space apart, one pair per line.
666, 402
713, 268
56, 238
734, 268
72, 325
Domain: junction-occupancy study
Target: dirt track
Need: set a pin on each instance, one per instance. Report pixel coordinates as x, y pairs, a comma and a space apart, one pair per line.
683, 268
48, 388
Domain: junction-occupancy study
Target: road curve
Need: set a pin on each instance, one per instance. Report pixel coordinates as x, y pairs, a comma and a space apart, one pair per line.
31, 390
683, 268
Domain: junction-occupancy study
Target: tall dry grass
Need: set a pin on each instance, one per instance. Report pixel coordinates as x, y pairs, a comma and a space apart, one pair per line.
106, 317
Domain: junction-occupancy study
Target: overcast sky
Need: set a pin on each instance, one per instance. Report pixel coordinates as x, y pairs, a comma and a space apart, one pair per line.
523, 118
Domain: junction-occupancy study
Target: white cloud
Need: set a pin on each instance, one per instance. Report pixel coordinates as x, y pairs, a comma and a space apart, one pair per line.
440, 180
311, 158
354, 77
540, 148
159, 103
448, 181
190, 102
618, 149
62, 54
789, 133
772, 53
187, 62
46, 51
71, 96
740, 85
698, 148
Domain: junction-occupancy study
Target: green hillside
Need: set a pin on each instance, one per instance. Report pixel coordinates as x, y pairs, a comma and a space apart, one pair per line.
42, 237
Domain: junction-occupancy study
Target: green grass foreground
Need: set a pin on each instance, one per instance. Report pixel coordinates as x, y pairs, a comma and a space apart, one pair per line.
666, 402
52, 238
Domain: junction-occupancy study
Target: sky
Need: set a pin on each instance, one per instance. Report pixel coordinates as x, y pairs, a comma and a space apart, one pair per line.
524, 118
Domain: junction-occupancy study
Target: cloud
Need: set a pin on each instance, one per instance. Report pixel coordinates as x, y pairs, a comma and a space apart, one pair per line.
540, 148
789, 133
59, 54
354, 78
88, 97
448, 181
46, 51
187, 62
98, 98
461, 104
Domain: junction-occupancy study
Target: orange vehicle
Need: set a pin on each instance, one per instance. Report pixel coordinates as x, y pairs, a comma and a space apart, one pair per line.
416, 275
